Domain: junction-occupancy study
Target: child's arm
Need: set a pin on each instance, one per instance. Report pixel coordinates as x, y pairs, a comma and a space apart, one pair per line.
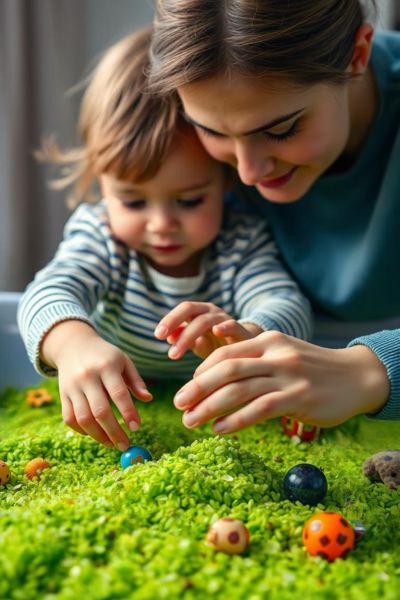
55, 321
201, 327
92, 372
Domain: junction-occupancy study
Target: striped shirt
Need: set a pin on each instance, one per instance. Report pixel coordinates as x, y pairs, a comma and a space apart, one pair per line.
96, 278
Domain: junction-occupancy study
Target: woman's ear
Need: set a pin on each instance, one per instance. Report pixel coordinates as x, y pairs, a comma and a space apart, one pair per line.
362, 49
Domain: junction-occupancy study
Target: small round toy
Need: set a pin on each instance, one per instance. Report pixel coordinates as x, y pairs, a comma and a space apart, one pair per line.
38, 397
303, 431
134, 455
4, 473
329, 535
35, 467
305, 483
228, 535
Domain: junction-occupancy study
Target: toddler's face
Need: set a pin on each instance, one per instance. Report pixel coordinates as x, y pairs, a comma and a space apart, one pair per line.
174, 215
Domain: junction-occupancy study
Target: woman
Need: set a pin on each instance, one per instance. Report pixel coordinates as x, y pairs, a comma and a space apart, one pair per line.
305, 104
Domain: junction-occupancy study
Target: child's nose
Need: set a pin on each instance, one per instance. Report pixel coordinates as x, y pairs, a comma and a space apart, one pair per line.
161, 220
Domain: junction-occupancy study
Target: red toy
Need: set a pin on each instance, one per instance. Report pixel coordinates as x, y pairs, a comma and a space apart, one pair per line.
329, 535
303, 431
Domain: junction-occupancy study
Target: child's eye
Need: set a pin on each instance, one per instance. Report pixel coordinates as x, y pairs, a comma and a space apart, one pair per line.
190, 202
280, 137
134, 204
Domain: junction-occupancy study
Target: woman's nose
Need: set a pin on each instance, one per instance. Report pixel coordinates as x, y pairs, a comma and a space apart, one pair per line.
253, 163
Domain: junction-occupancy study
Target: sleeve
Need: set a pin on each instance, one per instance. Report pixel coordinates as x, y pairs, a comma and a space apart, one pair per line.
386, 345
265, 293
70, 286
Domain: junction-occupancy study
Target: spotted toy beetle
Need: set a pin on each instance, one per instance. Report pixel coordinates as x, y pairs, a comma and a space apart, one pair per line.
329, 535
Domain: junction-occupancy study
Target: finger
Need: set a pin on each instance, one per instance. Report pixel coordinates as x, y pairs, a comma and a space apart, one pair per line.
99, 401
267, 406
135, 383
117, 390
227, 399
198, 327
174, 336
219, 376
68, 414
86, 420
251, 348
185, 311
232, 330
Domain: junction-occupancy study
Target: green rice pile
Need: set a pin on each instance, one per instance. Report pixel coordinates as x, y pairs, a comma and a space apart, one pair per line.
89, 530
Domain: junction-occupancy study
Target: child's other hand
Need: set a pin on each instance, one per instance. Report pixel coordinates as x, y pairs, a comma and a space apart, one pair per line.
91, 372
201, 327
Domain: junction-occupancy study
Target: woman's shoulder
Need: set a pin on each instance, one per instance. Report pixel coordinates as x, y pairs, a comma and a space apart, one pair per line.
386, 55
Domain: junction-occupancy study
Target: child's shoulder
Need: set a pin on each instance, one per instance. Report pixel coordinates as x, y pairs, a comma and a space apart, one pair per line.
92, 213
89, 216
237, 219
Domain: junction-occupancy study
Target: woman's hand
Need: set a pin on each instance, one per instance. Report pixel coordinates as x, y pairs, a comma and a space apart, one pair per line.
201, 327
274, 375
91, 372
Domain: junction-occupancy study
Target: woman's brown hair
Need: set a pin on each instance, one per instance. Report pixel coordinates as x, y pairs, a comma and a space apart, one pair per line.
125, 131
307, 41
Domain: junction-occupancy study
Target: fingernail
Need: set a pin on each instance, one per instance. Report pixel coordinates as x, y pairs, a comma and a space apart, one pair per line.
220, 426
133, 425
122, 446
173, 352
190, 419
181, 399
142, 387
160, 331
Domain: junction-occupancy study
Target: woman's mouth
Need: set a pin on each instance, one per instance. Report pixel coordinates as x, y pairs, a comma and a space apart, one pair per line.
278, 181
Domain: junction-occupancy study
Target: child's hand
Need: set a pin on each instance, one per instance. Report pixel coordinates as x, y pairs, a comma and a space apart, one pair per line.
201, 327
91, 372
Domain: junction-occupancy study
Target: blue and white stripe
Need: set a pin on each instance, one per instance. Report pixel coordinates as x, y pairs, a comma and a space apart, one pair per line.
96, 278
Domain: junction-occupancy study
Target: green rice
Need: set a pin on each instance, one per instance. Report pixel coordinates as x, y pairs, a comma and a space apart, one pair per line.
89, 530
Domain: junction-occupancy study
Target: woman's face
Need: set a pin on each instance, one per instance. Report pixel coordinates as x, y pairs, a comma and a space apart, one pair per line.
279, 136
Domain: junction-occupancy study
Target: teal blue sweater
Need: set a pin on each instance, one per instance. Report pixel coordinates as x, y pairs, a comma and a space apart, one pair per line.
341, 241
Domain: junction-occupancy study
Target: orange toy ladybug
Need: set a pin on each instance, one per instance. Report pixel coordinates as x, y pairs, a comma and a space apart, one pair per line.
35, 467
303, 431
38, 397
329, 535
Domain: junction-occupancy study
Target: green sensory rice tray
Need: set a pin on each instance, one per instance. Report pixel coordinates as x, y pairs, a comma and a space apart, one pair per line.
89, 530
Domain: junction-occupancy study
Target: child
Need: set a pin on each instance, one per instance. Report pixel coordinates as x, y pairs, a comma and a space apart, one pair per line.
159, 238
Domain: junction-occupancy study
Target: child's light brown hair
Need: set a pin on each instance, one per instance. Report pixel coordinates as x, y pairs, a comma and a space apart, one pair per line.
125, 130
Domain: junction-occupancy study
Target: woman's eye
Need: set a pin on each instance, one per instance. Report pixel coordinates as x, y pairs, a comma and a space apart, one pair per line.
208, 132
134, 204
190, 202
284, 135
